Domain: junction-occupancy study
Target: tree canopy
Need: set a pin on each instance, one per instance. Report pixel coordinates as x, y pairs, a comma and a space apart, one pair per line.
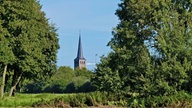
28, 42
151, 49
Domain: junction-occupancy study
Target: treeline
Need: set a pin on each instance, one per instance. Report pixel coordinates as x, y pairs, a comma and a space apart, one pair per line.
64, 80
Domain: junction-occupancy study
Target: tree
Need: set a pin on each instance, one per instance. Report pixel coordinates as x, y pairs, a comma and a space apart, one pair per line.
7, 56
34, 41
151, 48
83, 72
82, 80
60, 79
105, 78
173, 44
67, 80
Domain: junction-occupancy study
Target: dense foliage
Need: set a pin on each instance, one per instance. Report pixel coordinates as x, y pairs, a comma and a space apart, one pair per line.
152, 53
28, 43
103, 99
64, 80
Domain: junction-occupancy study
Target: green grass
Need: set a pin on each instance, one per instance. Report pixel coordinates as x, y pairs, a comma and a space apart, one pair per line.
27, 100
48, 99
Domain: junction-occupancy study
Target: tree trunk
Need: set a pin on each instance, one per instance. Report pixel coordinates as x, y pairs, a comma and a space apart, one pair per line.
14, 85
3, 81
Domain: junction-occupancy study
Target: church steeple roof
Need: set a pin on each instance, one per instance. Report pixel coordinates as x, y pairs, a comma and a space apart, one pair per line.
80, 49
79, 61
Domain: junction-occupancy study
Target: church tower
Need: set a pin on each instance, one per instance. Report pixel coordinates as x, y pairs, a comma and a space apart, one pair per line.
79, 61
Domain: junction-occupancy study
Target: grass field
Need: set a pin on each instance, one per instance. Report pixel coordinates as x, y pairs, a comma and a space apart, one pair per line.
27, 100
55, 100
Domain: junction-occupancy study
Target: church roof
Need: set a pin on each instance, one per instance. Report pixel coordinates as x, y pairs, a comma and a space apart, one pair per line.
80, 49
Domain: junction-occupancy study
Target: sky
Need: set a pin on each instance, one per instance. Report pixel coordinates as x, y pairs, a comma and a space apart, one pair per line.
94, 20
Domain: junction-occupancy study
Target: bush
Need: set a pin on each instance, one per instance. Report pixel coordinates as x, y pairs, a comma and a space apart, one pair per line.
180, 99
77, 100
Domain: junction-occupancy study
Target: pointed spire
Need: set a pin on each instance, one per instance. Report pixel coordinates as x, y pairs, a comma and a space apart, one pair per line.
80, 49
80, 61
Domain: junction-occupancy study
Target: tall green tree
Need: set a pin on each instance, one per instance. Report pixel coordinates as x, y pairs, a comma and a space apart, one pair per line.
7, 56
107, 78
151, 47
173, 44
34, 41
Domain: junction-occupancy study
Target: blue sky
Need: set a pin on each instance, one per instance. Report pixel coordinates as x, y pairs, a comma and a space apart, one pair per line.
94, 18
